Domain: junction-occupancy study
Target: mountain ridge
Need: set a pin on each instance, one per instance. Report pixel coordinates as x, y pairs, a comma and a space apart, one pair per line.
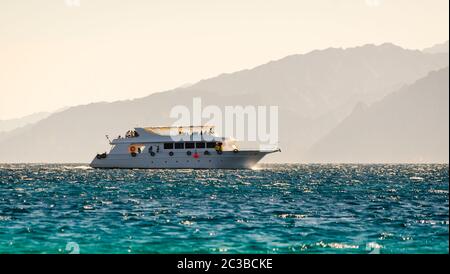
314, 91
407, 126
438, 48
11, 124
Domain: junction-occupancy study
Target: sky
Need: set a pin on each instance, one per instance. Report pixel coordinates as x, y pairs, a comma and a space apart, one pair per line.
59, 53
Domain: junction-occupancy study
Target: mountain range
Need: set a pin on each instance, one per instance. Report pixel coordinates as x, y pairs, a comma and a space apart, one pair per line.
316, 92
439, 48
11, 124
408, 126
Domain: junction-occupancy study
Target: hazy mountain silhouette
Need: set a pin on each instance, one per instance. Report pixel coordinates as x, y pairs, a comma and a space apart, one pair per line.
411, 125
11, 124
15, 132
439, 48
314, 92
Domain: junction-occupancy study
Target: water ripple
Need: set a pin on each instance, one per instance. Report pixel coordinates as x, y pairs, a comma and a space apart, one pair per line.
273, 209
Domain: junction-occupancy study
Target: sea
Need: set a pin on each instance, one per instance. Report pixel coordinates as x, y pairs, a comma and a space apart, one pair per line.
274, 209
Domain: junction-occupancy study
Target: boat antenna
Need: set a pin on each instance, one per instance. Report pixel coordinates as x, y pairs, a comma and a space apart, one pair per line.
107, 137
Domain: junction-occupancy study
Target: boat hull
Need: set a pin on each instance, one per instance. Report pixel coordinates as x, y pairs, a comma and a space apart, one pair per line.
226, 160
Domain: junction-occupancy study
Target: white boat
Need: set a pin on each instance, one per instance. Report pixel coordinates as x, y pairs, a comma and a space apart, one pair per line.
178, 147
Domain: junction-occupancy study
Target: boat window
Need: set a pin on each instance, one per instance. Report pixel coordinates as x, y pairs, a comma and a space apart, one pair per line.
179, 145
168, 145
211, 145
200, 145
189, 145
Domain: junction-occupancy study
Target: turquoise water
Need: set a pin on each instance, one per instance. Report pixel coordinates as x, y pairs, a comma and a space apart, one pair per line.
276, 209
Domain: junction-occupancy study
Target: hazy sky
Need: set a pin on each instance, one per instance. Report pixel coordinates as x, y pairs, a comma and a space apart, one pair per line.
56, 53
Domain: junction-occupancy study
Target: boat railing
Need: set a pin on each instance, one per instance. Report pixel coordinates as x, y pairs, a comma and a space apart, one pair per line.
180, 130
